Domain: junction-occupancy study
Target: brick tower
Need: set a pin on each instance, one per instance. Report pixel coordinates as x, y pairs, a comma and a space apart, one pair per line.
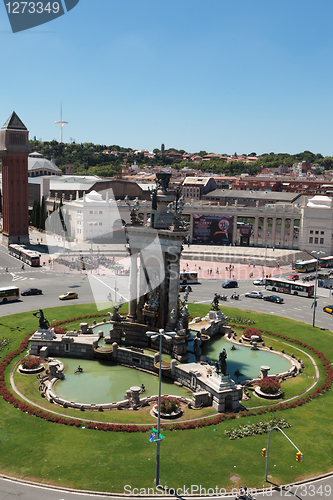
14, 149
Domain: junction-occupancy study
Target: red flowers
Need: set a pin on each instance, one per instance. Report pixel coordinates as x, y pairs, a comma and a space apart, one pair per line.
248, 332
269, 385
30, 362
169, 404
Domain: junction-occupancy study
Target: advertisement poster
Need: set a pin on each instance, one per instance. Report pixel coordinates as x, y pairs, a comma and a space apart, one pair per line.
212, 229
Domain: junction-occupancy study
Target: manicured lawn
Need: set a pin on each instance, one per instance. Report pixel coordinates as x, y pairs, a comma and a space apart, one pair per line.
58, 454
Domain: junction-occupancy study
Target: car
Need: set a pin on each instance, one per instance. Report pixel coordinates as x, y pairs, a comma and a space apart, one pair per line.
328, 309
293, 277
254, 295
68, 296
182, 288
32, 291
274, 298
230, 284
260, 281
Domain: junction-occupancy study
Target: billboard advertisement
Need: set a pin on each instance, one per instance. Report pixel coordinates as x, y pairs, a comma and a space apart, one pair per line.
212, 229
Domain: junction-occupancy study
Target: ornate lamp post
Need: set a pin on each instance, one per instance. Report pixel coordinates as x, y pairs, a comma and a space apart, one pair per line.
155, 335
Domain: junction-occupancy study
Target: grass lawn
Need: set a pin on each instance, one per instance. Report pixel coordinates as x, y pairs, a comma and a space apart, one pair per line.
57, 454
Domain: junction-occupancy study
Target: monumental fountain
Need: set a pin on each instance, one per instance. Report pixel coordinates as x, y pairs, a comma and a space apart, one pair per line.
154, 305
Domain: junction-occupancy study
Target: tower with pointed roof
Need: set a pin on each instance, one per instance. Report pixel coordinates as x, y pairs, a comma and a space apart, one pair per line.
14, 150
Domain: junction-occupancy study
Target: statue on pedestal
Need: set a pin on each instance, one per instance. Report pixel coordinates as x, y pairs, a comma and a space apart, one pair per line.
223, 362
43, 323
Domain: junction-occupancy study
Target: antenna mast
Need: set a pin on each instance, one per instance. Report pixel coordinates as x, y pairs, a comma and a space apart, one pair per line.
61, 123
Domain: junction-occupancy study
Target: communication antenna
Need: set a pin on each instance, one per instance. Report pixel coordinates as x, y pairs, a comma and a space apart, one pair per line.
61, 123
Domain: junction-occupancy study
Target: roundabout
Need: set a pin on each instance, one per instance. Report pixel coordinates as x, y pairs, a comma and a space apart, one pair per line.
201, 436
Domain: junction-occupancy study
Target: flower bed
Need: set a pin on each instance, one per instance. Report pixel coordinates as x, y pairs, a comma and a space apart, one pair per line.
250, 332
170, 407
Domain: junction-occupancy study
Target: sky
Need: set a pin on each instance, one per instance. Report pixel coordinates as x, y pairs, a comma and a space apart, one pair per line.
222, 76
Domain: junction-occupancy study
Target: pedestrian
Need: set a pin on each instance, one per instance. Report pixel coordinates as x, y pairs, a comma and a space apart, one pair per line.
6, 269
22, 266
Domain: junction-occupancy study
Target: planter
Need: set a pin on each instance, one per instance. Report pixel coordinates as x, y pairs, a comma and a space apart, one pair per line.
261, 394
31, 371
168, 416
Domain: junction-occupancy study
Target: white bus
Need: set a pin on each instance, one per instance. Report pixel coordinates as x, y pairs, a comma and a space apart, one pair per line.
27, 256
188, 277
288, 286
9, 294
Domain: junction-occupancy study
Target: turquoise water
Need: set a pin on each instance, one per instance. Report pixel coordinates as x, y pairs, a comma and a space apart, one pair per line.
103, 382
246, 361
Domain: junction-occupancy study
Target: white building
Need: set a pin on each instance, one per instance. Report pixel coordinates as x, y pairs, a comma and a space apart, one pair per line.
316, 225
93, 217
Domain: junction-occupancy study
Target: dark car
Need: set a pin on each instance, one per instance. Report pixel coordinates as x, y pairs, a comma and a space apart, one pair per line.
32, 291
182, 288
274, 298
230, 284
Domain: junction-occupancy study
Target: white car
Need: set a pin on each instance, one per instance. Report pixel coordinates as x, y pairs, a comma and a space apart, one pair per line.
260, 281
254, 295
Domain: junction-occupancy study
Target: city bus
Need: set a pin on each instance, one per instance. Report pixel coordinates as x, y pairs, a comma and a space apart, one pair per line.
326, 261
9, 294
305, 266
292, 287
188, 277
27, 256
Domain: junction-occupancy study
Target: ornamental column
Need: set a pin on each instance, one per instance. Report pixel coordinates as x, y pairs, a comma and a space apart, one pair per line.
191, 229
273, 231
173, 292
291, 235
133, 288
234, 230
265, 231
255, 234
283, 231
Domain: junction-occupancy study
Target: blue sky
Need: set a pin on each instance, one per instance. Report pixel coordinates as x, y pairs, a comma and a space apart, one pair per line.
223, 76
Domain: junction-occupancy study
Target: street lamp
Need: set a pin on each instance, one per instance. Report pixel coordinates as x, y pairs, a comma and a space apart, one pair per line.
315, 290
167, 336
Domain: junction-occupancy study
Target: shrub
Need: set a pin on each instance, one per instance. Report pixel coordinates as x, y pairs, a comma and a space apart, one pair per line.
168, 404
269, 385
30, 362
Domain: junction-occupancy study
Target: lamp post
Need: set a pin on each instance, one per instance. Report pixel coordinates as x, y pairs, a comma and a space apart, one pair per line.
154, 335
315, 290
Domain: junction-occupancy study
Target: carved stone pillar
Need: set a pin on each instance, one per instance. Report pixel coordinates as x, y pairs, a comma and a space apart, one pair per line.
173, 291
191, 228
142, 290
234, 229
133, 288
273, 231
264, 236
283, 231
255, 234
291, 233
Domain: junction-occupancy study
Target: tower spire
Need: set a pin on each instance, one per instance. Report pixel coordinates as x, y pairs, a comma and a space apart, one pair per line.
61, 123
